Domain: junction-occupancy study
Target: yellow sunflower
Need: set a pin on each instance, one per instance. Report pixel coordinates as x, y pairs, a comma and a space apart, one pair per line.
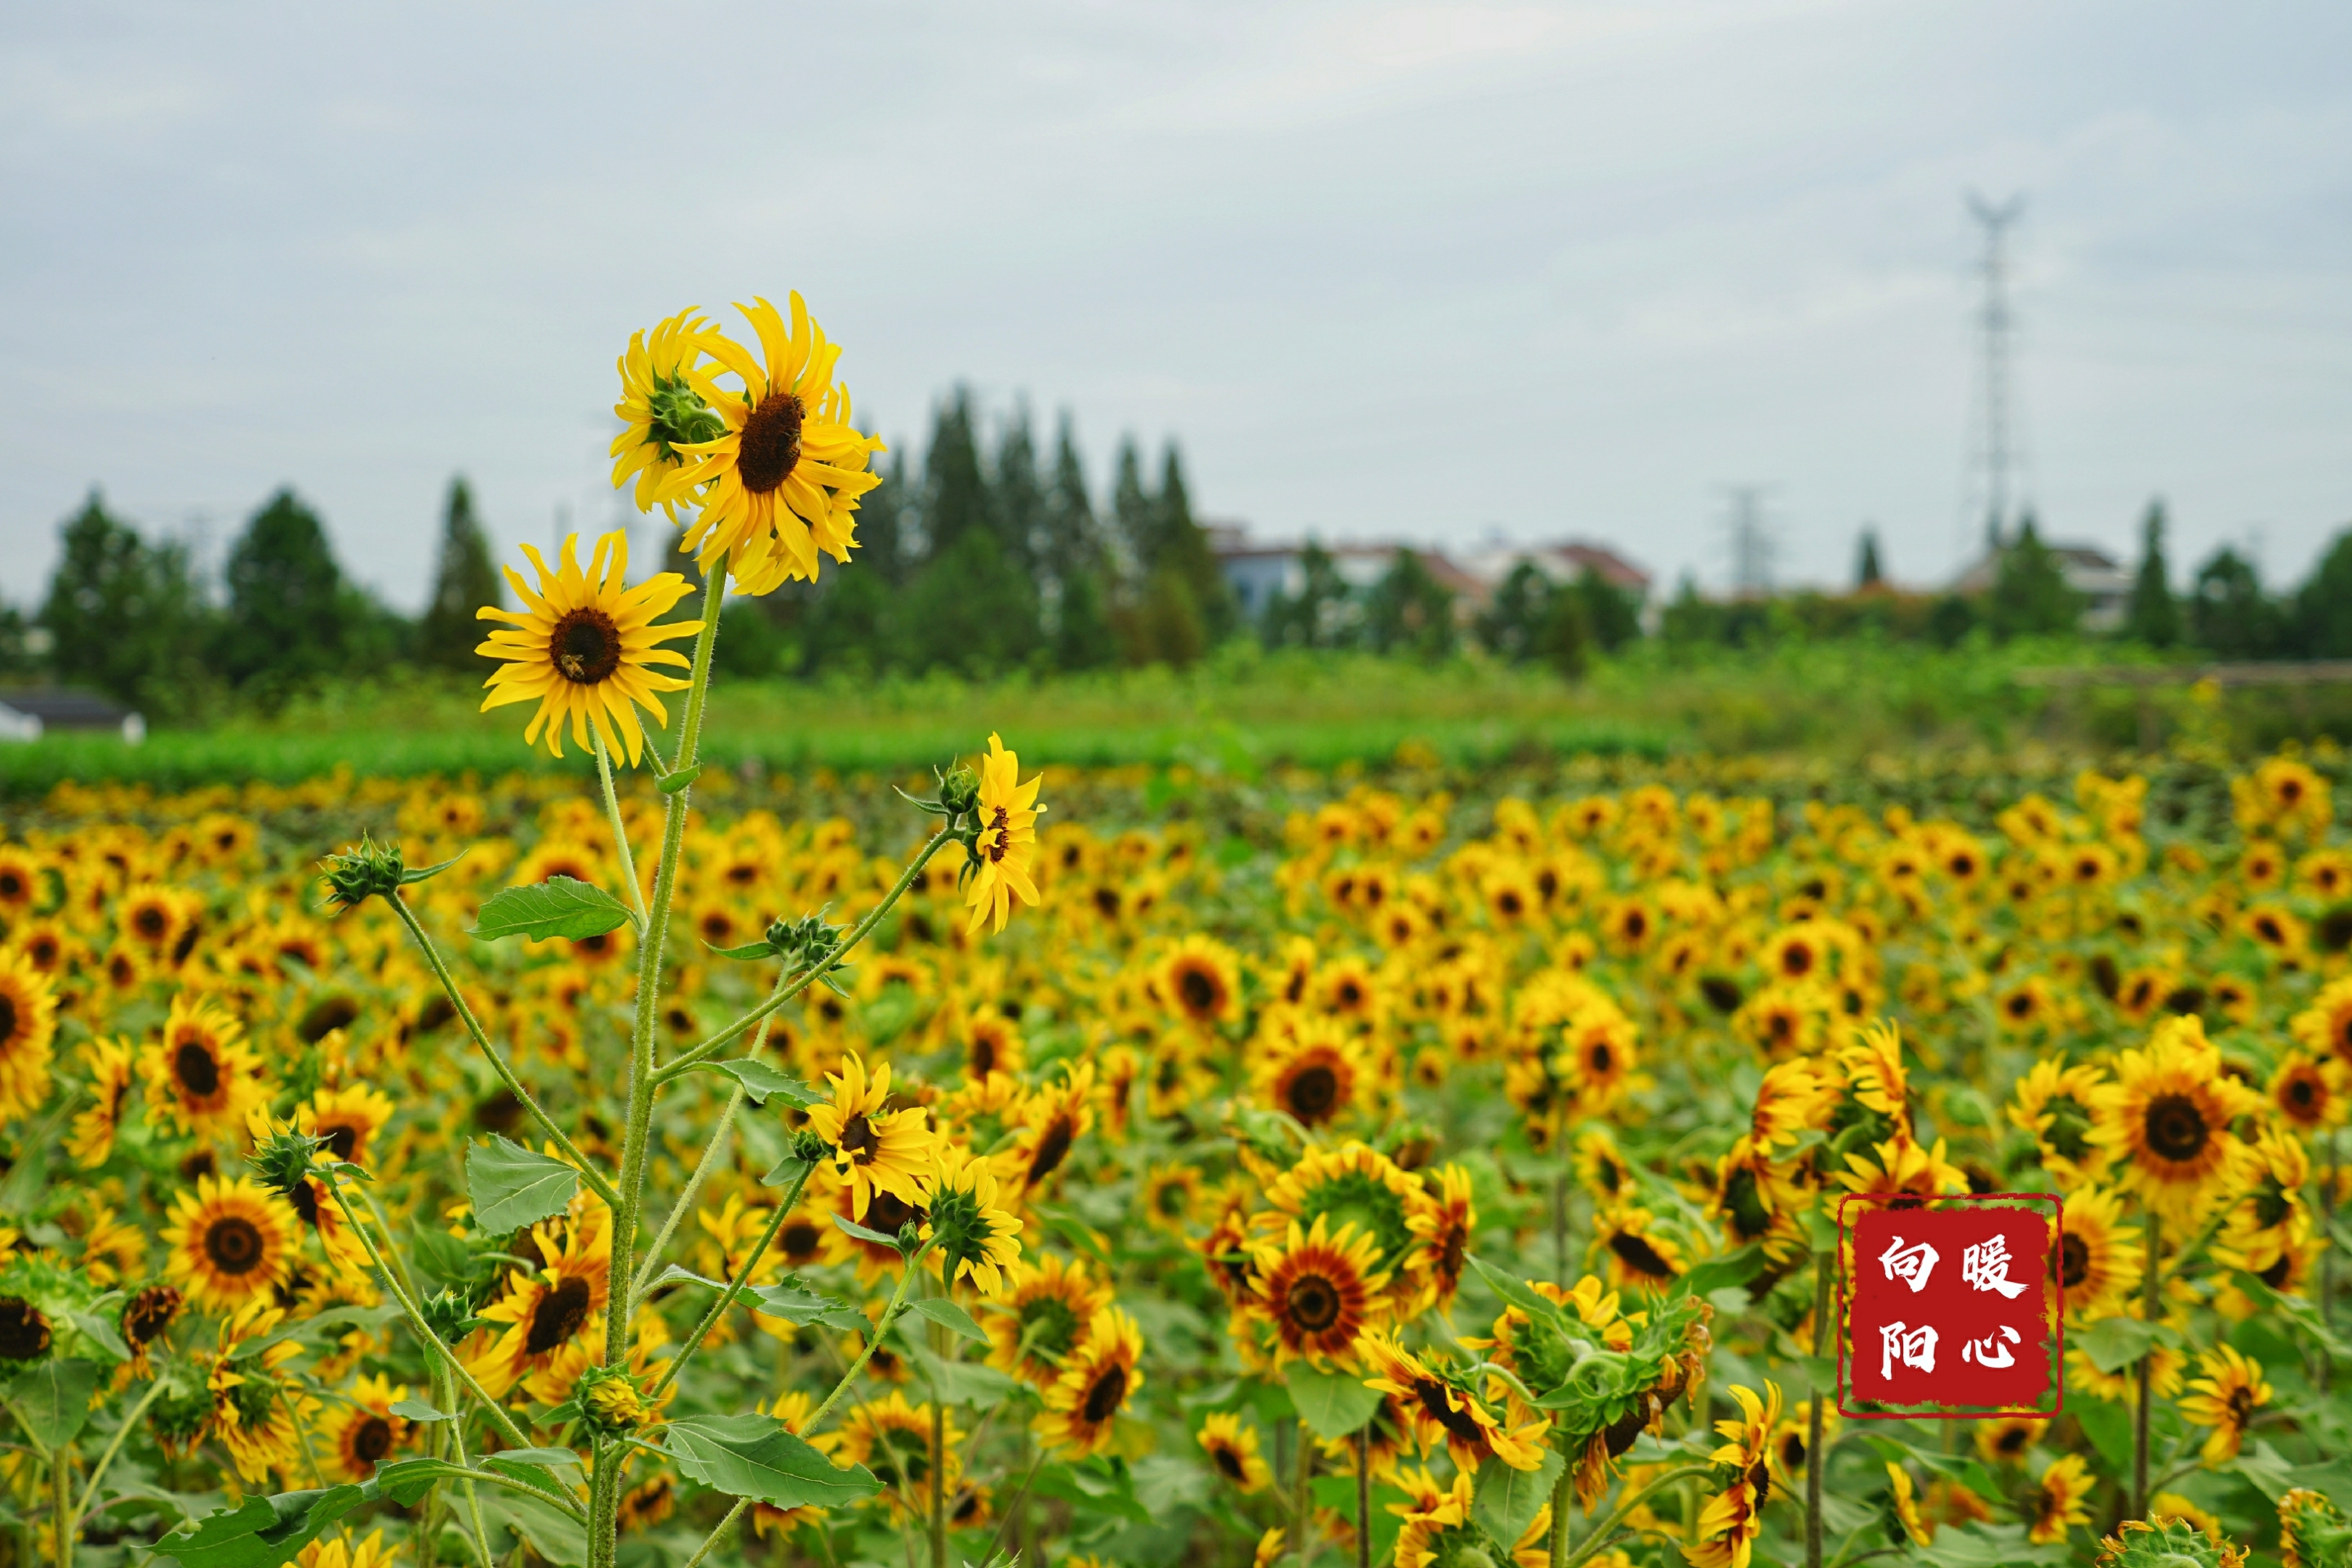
2225, 1399
2053, 1102
974, 1240
2007, 1440
1199, 979
2098, 1257
781, 482
892, 1439
1097, 1378
660, 410
364, 1431
231, 1242
1440, 1412
202, 1077
1052, 1119
2060, 1500
29, 1023
585, 645
873, 1151
2165, 1122
2326, 1025
1232, 1448
544, 1311
1317, 1289
1732, 1519
348, 1118
1638, 1254
1008, 839
93, 1138
1312, 1071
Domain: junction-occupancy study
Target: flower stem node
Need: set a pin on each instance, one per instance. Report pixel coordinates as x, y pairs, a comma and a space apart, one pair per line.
609, 1401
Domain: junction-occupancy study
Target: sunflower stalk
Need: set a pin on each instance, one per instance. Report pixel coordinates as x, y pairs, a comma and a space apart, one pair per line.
1813, 1463
514, 1085
603, 1522
1301, 1503
1598, 1538
620, 832
2150, 1311
113, 1446
891, 1313
61, 1518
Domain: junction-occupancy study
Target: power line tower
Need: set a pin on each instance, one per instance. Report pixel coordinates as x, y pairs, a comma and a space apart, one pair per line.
1752, 544
1995, 455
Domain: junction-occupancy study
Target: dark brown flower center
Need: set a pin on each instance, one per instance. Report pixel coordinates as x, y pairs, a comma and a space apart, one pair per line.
1103, 1399
1440, 1409
7, 1020
151, 1311
371, 1439
234, 1244
1314, 1093
558, 1316
2176, 1127
2074, 1260
1053, 1148
770, 447
859, 1141
24, 1329
197, 1070
1229, 1463
800, 1239
1638, 1255
1313, 1302
1199, 991
343, 1139
586, 646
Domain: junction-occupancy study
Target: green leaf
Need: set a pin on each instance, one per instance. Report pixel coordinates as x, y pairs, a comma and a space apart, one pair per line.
416, 1410
960, 1382
671, 783
262, 1531
424, 872
1333, 1403
53, 1399
678, 1273
445, 1257
1508, 1500
852, 1228
795, 1302
1717, 1274
533, 1465
101, 1330
2114, 1343
559, 906
510, 1187
787, 1170
754, 1457
1515, 1291
750, 951
948, 1315
553, 1535
1989, 1546
760, 1081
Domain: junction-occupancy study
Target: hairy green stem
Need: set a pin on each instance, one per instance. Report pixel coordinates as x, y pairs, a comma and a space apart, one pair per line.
1598, 1538
114, 1446
1822, 1311
415, 1316
890, 1315
687, 1060
703, 1168
61, 1519
1364, 1495
1301, 1510
620, 833
734, 1286
725, 1525
514, 1085
2151, 1308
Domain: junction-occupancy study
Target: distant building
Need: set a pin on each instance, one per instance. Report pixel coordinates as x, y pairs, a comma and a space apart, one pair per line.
1256, 572
30, 714
2103, 583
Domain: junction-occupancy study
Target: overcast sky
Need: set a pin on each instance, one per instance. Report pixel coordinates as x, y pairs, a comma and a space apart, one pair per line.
1390, 271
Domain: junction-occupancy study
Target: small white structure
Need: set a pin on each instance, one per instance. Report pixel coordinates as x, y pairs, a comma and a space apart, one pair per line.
2103, 582
30, 714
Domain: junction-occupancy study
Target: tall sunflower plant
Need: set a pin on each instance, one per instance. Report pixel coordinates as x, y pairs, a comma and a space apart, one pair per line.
570, 1406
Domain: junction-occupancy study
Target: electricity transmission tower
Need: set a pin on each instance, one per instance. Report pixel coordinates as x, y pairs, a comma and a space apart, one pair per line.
1995, 455
1752, 545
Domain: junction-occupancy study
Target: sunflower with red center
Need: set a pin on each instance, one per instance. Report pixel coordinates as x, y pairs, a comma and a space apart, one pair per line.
1097, 1378
1310, 1069
1440, 1412
1317, 1289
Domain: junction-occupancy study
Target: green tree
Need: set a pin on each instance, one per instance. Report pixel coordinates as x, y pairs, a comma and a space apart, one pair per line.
1084, 638
883, 517
1565, 639
955, 491
288, 613
1017, 496
124, 616
2153, 617
1866, 572
1164, 625
2323, 606
1073, 541
1511, 626
1317, 615
1183, 547
1410, 611
464, 579
1133, 516
2230, 616
971, 608
1612, 617
853, 622
2030, 595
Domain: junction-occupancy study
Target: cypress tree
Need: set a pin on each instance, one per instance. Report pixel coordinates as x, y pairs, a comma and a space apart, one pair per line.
1017, 493
1073, 538
955, 490
2229, 614
123, 616
1866, 572
1184, 549
1511, 625
2030, 594
1132, 513
463, 580
2153, 617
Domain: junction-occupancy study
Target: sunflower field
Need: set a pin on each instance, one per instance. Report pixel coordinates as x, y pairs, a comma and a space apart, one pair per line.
1418, 1165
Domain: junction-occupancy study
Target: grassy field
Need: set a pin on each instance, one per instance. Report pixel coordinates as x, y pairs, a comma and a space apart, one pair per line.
1244, 713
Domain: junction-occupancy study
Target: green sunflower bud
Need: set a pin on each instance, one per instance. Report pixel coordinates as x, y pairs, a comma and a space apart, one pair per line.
368, 870
285, 1159
609, 1401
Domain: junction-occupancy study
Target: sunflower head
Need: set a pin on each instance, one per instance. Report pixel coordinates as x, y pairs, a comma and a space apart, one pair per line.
367, 870
971, 1238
